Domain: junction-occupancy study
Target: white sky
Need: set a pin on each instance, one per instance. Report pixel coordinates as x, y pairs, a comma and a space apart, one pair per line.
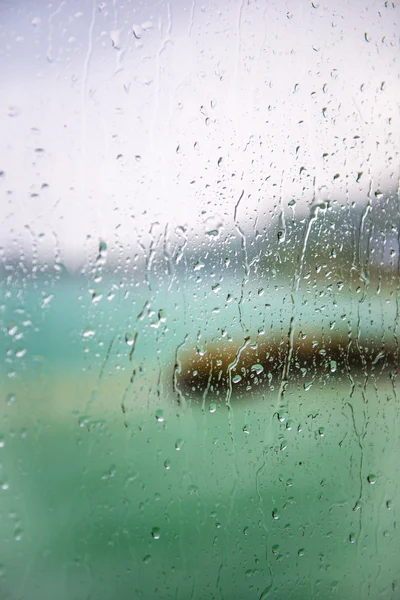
131, 130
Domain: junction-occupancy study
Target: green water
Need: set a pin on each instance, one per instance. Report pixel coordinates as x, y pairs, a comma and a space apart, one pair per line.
111, 490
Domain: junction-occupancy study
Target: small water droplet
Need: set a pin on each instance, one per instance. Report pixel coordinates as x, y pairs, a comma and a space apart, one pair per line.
167, 464
102, 247
178, 444
236, 379
46, 300
212, 408
301, 552
96, 297
12, 329
275, 514
198, 266
147, 559
88, 332
257, 369
282, 416
156, 533
307, 386
281, 236
389, 504
352, 538
13, 111
10, 399
129, 338
160, 415
371, 479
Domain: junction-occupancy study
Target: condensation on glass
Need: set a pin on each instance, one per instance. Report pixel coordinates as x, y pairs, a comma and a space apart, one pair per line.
199, 300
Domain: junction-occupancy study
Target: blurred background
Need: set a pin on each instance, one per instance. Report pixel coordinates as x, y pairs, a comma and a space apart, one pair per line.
199, 304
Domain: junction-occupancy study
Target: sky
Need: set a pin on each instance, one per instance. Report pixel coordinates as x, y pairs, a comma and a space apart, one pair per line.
123, 119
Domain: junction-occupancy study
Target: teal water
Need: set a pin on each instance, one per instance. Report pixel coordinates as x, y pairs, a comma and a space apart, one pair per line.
109, 489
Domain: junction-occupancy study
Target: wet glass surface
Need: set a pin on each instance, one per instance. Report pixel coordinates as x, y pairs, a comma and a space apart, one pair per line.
199, 301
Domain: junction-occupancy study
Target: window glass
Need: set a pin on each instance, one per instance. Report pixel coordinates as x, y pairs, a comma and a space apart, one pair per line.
199, 275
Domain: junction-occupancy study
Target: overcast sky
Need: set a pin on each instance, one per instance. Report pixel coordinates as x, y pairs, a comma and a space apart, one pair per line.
118, 115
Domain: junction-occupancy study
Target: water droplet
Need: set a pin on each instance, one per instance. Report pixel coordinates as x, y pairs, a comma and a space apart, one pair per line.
167, 464
333, 366
10, 399
12, 329
389, 504
371, 479
147, 559
212, 408
282, 416
236, 379
257, 369
13, 111
275, 514
46, 300
88, 332
301, 552
352, 538
198, 266
178, 444
156, 533
129, 338
96, 297
102, 248
307, 386
36, 21
160, 415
